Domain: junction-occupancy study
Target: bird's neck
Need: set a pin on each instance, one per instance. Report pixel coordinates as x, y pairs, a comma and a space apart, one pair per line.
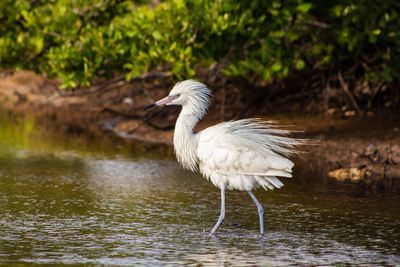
185, 140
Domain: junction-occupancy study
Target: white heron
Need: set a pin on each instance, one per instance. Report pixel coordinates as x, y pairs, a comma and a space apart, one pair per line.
242, 155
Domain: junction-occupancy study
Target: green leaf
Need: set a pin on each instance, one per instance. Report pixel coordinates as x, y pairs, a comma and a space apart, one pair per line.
277, 66
300, 64
157, 35
304, 8
376, 32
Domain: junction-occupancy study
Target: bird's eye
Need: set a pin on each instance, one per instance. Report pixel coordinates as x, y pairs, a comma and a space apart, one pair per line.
177, 95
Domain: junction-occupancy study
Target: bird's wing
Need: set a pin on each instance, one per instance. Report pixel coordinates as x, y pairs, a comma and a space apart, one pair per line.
247, 147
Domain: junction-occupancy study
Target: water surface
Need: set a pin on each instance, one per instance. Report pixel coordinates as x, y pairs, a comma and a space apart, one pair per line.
74, 200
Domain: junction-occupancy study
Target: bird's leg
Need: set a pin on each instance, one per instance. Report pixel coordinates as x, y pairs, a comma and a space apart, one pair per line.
222, 215
260, 211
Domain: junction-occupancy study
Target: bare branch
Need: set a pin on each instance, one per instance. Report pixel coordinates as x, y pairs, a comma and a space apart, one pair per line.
345, 88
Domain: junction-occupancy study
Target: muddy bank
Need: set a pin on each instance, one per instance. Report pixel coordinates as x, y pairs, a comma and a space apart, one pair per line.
363, 151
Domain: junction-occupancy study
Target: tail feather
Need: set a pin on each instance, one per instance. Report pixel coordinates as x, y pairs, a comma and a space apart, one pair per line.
263, 183
271, 172
281, 173
268, 182
275, 181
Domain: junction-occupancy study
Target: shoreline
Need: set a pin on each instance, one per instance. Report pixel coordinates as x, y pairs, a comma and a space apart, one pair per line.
363, 151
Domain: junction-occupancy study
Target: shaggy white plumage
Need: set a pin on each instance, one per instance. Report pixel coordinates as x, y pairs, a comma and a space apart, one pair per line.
242, 155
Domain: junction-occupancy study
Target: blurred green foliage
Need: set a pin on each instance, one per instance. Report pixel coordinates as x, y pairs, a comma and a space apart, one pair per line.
78, 40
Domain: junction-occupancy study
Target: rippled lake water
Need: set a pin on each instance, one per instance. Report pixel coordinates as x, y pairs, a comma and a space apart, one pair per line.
68, 200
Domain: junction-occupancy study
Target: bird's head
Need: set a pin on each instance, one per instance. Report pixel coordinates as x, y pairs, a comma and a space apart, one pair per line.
193, 96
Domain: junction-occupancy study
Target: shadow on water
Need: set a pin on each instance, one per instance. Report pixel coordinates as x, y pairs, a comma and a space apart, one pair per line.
70, 200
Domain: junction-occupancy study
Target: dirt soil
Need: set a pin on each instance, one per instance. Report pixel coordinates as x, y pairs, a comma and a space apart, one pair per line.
352, 149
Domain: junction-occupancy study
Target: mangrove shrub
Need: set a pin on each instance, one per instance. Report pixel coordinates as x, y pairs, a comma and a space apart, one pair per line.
80, 40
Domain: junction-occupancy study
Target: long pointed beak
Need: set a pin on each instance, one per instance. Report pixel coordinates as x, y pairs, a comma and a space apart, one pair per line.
160, 102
